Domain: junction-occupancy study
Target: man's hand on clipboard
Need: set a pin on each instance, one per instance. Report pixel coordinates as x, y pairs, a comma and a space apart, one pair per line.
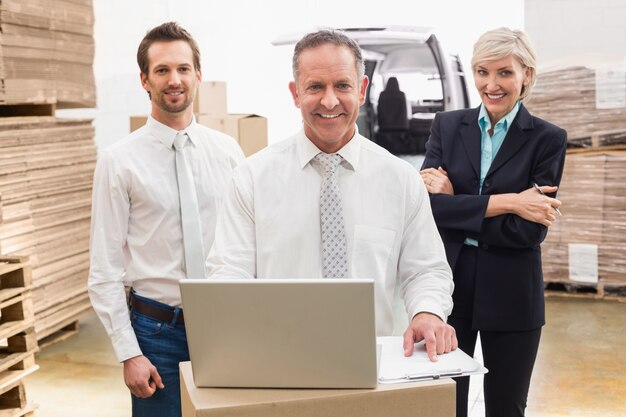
439, 336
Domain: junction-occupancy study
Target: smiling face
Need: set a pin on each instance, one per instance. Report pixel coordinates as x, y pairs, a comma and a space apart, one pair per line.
328, 93
500, 84
172, 81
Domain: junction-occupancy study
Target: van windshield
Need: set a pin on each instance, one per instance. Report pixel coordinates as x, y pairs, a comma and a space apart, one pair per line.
414, 68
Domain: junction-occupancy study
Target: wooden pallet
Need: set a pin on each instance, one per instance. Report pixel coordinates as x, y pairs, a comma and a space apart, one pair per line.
59, 336
62, 315
26, 411
16, 307
616, 150
21, 110
613, 140
13, 401
17, 335
601, 290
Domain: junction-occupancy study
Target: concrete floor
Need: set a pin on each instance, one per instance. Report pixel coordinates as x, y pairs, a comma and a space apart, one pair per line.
580, 371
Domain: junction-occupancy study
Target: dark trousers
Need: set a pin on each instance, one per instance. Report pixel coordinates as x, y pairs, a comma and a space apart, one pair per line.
509, 356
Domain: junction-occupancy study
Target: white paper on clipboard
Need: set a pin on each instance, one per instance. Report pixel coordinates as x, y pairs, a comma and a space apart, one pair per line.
395, 368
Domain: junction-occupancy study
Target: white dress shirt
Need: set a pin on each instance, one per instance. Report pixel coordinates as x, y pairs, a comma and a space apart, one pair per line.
269, 226
136, 232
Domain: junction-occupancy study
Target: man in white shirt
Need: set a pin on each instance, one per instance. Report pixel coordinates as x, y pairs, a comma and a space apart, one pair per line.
137, 228
273, 222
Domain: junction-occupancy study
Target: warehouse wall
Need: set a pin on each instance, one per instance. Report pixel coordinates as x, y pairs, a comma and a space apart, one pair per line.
577, 31
581, 47
235, 36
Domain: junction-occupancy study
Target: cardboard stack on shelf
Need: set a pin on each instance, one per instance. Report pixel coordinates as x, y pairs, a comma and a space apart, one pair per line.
584, 247
210, 106
46, 164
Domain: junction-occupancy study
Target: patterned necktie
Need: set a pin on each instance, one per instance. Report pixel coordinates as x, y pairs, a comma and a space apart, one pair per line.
334, 249
189, 212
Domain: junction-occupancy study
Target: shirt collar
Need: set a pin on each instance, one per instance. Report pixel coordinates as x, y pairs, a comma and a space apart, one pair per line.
485, 123
166, 134
350, 152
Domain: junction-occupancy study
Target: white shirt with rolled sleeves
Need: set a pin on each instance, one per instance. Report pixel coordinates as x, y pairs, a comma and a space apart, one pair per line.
136, 232
269, 225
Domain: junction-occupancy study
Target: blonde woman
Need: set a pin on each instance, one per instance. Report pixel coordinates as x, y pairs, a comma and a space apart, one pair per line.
481, 167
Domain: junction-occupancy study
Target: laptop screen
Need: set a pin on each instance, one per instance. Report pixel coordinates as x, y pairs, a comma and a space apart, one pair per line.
282, 333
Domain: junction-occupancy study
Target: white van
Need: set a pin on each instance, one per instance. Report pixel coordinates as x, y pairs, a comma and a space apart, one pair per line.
411, 78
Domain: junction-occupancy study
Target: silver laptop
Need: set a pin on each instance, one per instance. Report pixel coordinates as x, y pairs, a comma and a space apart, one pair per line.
279, 333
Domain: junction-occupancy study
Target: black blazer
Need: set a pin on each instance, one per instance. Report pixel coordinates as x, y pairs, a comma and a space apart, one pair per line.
509, 281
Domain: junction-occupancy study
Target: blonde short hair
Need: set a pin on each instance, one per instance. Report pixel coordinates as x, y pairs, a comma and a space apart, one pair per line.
503, 42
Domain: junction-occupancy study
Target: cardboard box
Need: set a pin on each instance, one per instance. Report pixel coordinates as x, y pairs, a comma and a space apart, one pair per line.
418, 399
250, 130
211, 98
137, 121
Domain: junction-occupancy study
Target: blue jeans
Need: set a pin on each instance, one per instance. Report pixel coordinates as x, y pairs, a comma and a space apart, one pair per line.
165, 345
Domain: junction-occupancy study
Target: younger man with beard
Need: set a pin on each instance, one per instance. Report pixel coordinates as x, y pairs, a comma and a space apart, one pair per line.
138, 235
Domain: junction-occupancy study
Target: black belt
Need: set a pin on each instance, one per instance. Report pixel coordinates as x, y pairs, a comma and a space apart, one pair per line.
154, 312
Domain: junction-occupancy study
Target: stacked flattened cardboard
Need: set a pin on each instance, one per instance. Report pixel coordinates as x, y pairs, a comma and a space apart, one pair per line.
250, 130
46, 52
590, 104
586, 245
46, 170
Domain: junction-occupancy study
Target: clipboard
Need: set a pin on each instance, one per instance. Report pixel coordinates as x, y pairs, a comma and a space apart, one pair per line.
395, 368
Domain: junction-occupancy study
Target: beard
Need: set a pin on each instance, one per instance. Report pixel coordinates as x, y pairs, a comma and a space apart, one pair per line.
181, 105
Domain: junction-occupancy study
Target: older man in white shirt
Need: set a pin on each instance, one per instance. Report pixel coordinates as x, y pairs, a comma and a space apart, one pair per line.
275, 221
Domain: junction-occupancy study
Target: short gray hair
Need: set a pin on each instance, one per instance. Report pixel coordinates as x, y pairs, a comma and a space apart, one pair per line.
323, 37
503, 42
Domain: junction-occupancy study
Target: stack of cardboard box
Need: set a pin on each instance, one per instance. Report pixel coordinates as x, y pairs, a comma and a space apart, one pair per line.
588, 103
46, 170
210, 108
46, 164
586, 245
46, 52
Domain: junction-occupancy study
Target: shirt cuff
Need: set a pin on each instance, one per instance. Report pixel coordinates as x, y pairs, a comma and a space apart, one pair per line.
432, 308
125, 345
